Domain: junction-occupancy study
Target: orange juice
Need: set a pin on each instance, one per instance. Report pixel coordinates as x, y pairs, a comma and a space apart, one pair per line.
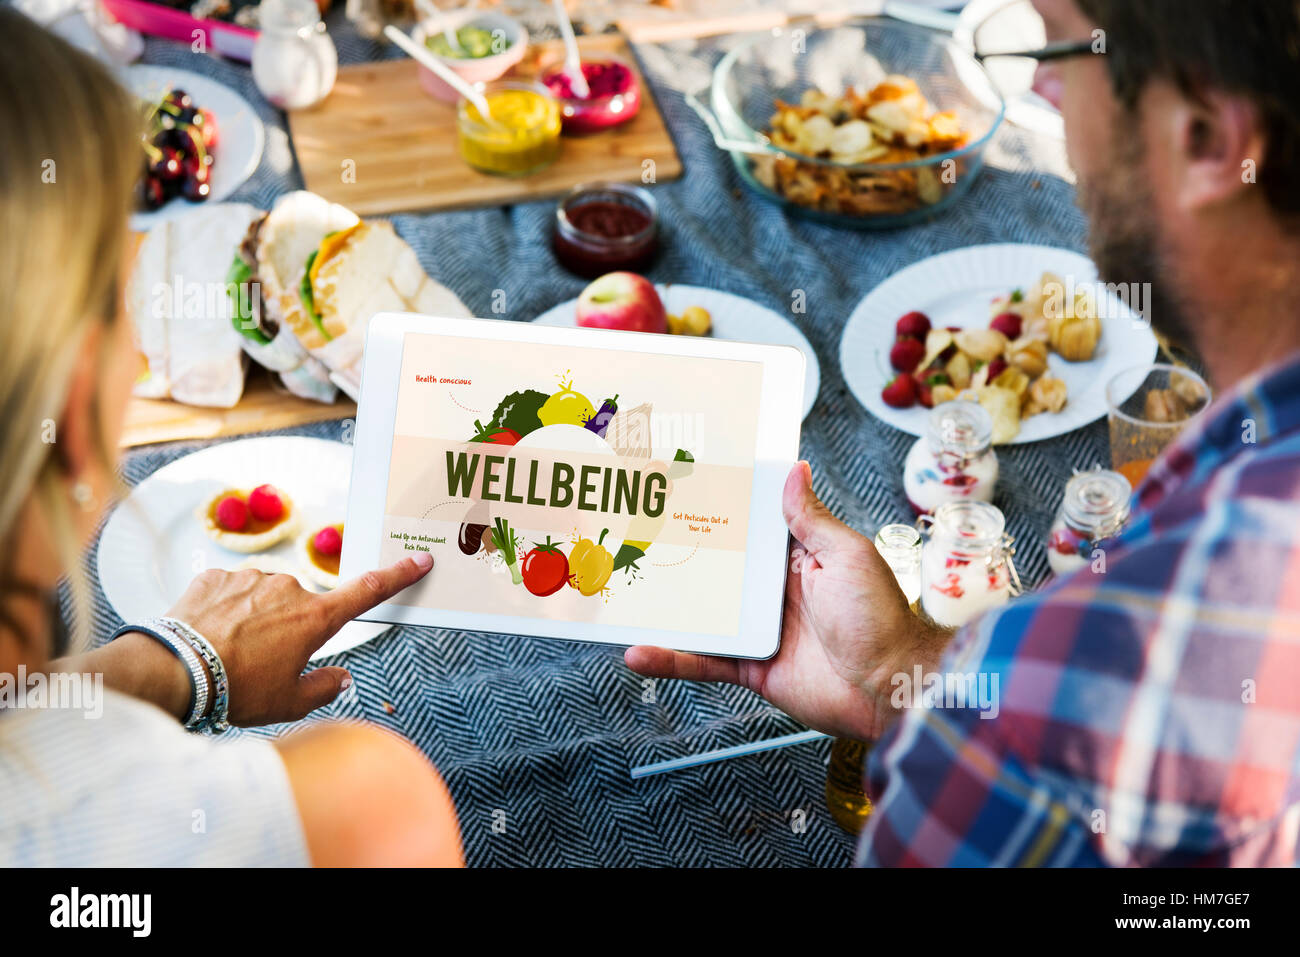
1135, 471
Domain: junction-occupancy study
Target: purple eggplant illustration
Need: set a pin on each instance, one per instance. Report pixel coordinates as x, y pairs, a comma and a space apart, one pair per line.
599, 422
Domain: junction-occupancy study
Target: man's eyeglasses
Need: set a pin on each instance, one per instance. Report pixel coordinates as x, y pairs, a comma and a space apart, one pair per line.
1015, 30
1044, 54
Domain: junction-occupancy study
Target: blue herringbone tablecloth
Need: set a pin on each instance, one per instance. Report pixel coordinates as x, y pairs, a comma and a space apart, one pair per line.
538, 736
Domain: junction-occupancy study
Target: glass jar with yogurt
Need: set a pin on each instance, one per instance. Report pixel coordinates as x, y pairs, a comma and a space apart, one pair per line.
966, 565
954, 461
1095, 507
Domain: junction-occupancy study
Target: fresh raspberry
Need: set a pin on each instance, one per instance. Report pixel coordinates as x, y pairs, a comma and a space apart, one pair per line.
1007, 323
997, 367
914, 324
265, 503
906, 354
232, 513
328, 542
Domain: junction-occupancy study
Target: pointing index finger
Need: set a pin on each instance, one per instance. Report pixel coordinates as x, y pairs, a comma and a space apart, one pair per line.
375, 587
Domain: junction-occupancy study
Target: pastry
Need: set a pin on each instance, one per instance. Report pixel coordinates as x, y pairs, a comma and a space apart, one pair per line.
320, 552
251, 521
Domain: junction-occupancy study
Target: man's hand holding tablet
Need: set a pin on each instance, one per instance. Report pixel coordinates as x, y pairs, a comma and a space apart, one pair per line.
847, 629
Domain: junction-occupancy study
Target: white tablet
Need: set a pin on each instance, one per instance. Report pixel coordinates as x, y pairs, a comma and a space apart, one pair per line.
577, 483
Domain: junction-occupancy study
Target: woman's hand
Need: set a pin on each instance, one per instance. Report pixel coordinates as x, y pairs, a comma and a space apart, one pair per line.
847, 630
265, 627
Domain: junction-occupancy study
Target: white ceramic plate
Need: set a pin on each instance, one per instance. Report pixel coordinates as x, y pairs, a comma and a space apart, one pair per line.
153, 545
955, 289
240, 132
734, 317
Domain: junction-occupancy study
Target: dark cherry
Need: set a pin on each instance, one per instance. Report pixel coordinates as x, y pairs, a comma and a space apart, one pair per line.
154, 192
194, 166
195, 189
207, 124
172, 137
168, 165
196, 183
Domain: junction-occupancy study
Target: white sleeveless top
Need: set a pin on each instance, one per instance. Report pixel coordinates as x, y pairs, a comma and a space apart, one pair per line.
132, 788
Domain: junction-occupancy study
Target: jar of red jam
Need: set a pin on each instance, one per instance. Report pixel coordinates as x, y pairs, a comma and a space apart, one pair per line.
615, 93
606, 227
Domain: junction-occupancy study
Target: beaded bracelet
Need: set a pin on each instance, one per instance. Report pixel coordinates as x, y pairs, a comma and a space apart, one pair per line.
173, 642
218, 721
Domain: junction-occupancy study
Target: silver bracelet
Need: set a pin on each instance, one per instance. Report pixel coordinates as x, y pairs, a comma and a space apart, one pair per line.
158, 630
218, 720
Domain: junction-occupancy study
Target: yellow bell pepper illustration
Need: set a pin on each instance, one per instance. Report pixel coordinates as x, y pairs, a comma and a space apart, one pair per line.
590, 565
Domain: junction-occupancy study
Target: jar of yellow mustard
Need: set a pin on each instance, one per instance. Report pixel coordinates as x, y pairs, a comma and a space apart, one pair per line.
522, 136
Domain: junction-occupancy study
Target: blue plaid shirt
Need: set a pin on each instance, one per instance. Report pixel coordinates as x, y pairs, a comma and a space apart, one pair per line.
1148, 714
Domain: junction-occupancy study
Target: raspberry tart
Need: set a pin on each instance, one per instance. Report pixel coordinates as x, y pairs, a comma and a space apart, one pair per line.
320, 551
250, 521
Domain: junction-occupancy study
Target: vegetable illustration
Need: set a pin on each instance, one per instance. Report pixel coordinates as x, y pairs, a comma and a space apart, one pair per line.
629, 553
545, 569
470, 539
566, 407
494, 434
590, 565
599, 422
518, 411
503, 538
472, 535
642, 530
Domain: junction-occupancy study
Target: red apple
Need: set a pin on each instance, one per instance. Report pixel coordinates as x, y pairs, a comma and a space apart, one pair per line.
622, 300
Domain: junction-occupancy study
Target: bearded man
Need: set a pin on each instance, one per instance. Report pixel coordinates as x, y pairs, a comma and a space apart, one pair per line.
1149, 715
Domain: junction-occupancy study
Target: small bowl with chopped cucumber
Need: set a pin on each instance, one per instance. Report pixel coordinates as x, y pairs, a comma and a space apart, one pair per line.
487, 45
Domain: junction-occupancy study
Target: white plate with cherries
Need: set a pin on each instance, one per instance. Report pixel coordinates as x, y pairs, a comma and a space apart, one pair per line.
275, 503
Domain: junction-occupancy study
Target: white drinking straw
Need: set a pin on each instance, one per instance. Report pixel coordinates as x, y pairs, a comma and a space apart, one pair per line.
723, 754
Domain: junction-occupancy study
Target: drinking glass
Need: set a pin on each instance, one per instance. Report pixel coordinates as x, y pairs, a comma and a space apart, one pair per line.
1148, 406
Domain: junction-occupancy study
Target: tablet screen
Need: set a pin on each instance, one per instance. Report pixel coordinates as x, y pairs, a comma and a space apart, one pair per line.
574, 484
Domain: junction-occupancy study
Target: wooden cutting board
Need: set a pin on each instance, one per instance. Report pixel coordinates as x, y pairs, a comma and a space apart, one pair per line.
265, 405
403, 143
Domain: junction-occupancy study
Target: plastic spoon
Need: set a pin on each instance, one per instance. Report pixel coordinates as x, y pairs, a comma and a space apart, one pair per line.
572, 61
454, 79
437, 16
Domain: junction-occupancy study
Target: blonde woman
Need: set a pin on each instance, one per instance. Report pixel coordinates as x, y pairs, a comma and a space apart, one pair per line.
133, 787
